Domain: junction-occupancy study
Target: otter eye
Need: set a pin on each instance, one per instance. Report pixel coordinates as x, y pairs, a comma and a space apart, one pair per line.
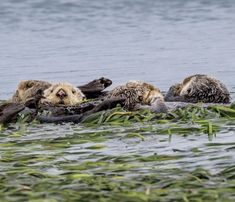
73, 91
189, 90
51, 90
141, 98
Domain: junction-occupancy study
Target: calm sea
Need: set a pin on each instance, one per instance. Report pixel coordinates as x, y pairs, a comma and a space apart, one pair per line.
79, 40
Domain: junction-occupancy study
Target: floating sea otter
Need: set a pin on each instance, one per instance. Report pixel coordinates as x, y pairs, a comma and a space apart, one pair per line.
138, 93
30, 93
132, 96
199, 88
28, 89
63, 94
69, 95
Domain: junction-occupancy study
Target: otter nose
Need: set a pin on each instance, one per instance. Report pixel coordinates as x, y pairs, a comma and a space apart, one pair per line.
61, 94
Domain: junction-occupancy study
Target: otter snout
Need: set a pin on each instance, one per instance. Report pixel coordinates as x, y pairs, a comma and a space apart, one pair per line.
61, 94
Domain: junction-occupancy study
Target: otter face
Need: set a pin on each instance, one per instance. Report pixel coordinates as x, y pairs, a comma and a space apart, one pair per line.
173, 93
188, 88
138, 93
151, 94
28, 89
64, 94
147, 92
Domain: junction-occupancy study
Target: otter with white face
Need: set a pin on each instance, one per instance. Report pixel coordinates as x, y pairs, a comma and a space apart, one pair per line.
199, 88
138, 93
28, 89
63, 94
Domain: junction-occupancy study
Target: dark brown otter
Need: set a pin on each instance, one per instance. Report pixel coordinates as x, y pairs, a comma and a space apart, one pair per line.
199, 88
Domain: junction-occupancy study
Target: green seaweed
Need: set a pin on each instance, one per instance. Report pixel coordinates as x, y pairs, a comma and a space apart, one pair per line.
116, 155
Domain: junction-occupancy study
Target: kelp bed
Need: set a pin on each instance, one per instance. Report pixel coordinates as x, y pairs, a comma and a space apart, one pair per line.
185, 155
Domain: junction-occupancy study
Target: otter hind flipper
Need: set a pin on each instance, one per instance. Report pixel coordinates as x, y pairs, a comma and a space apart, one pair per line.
9, 111
94, 88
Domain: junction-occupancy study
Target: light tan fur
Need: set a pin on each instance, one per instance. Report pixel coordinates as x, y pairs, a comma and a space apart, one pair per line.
71, 95
186, 86
28, 89
148, 91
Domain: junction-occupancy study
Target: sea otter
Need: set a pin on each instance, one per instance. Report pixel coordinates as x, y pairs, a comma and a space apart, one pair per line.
199, 88
62, 94
139, 93
28, 89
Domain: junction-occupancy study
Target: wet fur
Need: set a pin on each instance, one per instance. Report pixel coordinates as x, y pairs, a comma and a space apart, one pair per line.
136, 92
73, 95
28, 89
199, 88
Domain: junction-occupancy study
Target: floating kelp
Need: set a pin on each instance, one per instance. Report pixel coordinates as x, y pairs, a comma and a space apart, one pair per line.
224, 111
117, 155
183, 121
187, 114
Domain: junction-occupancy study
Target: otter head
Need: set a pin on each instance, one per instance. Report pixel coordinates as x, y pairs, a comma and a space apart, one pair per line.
188, 86
151, 94
147, 92
173, 93
28, 89
64, 94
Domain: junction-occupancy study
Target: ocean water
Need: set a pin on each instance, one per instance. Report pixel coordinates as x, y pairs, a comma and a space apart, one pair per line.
156, 41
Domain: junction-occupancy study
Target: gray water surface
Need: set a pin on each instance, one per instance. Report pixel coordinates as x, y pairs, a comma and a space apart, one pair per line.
157, 41
78, 40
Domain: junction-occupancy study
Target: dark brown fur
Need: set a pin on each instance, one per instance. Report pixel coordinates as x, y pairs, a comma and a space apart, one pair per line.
199, 88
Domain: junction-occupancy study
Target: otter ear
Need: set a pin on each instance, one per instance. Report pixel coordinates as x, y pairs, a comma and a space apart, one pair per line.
26, 84
29, 84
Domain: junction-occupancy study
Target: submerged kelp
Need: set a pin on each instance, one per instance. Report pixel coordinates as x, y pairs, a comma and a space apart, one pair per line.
122, 156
